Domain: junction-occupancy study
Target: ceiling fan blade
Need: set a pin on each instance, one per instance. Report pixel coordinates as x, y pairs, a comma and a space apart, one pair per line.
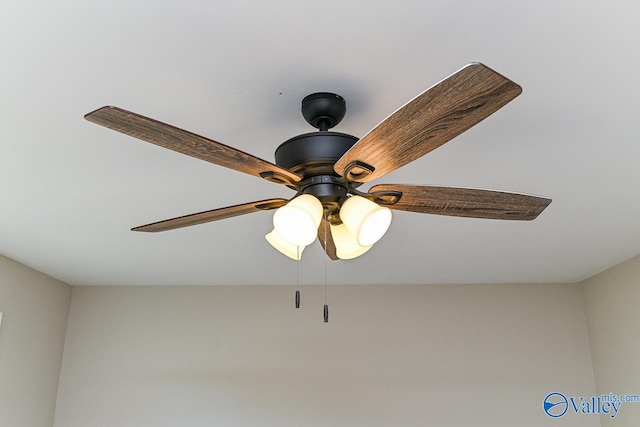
214, 215
188, 143
465, 202
326, 239
433, 118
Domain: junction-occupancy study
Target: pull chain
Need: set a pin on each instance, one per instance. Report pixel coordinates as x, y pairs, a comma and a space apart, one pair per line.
298, 277
326, 305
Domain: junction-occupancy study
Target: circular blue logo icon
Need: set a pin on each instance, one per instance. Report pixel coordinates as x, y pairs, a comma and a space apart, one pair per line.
555, 404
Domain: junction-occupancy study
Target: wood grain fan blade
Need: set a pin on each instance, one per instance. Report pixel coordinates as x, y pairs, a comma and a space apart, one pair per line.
466, 202
185, 142
326, 239
209, 216
431, 119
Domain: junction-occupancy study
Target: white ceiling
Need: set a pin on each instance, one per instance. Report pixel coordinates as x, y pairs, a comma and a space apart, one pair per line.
236, 72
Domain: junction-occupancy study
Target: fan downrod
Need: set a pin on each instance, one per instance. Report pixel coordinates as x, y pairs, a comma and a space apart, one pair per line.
323, 110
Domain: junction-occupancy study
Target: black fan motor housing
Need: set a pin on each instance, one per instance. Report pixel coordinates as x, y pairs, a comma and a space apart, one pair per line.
312, 155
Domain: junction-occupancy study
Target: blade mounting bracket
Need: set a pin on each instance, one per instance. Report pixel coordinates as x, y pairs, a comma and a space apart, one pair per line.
357, 170
271, 205
277, 178
384, 198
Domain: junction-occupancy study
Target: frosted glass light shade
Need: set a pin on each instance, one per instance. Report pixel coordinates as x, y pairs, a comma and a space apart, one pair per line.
298, 221
367, 220
288, 249
347, 246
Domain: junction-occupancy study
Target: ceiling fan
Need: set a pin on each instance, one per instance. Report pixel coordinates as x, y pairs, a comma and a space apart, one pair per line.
326, 168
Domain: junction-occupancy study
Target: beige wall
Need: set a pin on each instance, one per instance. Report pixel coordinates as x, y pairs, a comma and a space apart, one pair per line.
612, 306
391, 355
468, 355
35, 310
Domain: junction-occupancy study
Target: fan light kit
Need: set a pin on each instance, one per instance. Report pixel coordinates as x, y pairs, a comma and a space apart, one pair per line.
326, 168
296, 226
